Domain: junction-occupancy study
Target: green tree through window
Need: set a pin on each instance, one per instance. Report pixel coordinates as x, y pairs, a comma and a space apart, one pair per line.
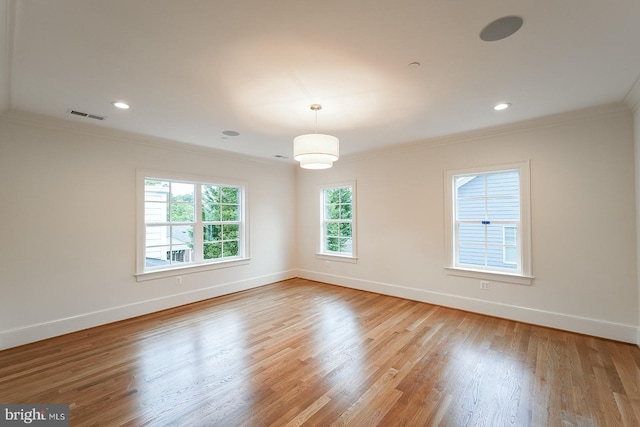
338, 220
191, 223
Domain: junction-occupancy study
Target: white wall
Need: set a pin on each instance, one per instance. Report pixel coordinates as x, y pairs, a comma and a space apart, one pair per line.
67, 224
583, 222
68, 232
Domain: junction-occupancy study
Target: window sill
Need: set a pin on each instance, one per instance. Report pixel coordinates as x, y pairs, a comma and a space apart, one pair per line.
490, 275
188, 269
338, 258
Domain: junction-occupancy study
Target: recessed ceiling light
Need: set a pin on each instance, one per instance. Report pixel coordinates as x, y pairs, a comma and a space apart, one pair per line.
501, 28
121, 105
230, 133
414, 64
502, 106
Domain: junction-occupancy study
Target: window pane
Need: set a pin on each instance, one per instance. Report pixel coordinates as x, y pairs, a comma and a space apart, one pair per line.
156, 191
333, 229
503, 208
155, 212
472, 233
471, 254
469, 186
212, 250
468, 209
182, 236
229, 231
495, 258
332, 212
509, 235
511, 255
503, 184
157, 256
182, 212
332, 195
345, 195
345, 229
230, 194
157, 235
181, 254
230, 248
210, 212
182, 190
494, 234
230, 213
212, 233
210, 194
346, 245
333, 244
345, 211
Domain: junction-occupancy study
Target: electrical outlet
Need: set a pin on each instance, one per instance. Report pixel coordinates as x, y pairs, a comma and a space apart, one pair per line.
179, 280
485, 286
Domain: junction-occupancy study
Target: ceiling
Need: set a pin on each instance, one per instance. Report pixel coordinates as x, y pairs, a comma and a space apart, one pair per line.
192, 69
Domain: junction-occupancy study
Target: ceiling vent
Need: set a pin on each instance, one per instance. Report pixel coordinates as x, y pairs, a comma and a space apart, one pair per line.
87, 115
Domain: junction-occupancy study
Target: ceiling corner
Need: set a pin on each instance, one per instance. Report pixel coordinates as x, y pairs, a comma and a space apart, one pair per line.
632, 99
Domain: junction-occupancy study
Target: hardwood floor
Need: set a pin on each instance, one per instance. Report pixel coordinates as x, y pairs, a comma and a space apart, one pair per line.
305, 353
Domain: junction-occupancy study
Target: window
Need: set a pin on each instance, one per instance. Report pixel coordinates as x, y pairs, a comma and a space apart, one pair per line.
337, 237
189, 222
488, 220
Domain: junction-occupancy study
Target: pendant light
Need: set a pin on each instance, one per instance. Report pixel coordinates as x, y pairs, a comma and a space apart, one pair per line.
315, 150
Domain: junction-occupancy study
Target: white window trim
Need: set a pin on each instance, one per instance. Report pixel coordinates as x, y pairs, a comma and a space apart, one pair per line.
525, 277
326, 256
144, 275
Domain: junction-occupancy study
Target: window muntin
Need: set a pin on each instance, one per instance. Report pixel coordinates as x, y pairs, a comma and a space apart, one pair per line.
187, 222
338, 228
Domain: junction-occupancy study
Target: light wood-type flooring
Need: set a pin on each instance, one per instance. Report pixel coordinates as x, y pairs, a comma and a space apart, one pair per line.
305, 353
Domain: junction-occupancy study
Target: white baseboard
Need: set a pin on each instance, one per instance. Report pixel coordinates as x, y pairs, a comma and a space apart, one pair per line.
24, 335
582, 325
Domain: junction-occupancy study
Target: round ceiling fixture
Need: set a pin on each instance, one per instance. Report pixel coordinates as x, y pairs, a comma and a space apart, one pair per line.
120, 104
502, 106
230, 133
501, 28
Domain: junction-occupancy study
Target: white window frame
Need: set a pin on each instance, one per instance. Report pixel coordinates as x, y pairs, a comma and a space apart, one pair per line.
322, 253
198, 264
525, 275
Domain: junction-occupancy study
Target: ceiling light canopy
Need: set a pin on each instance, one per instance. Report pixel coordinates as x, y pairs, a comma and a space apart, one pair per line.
316, 150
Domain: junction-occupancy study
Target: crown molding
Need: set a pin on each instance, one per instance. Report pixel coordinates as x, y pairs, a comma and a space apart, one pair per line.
560, 119
114, 135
